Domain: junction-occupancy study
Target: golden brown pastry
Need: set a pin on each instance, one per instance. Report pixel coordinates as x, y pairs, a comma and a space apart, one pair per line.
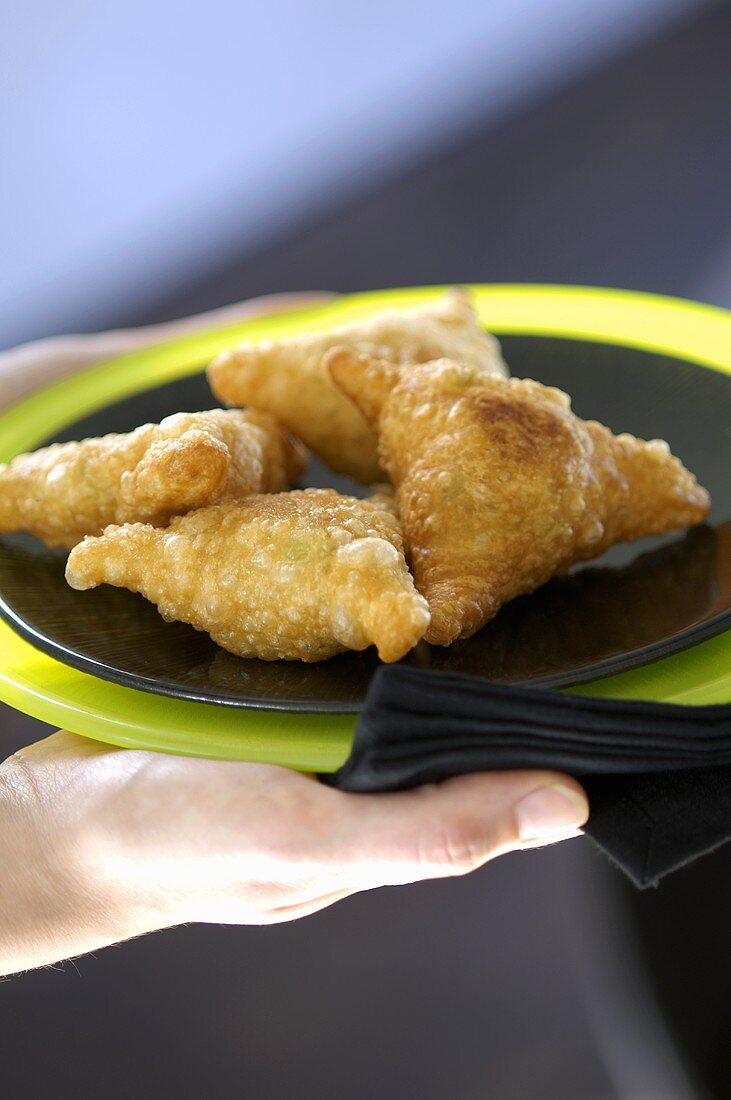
500, 486
69, 490
299, 575
382, 495
287, 377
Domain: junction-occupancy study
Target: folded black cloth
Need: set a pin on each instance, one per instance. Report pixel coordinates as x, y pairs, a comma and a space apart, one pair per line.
658, 775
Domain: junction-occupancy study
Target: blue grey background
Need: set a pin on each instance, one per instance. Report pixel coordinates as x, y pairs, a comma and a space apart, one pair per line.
144, 141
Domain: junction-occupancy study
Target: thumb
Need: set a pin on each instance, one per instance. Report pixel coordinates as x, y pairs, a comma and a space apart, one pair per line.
453, 827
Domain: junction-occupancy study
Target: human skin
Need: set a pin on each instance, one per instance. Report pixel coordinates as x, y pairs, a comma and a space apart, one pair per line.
99, 844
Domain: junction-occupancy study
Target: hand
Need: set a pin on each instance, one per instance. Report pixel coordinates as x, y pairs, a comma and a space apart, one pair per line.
100, 844
41, 362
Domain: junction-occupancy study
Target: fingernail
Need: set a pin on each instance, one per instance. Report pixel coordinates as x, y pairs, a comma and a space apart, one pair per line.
549, 812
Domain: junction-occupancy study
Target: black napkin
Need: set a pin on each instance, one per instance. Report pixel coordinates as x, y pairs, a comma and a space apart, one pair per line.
658, 775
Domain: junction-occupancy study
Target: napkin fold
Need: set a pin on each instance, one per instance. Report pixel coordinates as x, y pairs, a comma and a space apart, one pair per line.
658, 776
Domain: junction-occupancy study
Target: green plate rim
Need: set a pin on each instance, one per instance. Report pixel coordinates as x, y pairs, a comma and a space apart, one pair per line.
55, 693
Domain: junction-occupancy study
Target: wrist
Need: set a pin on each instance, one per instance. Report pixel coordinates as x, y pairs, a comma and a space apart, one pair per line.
61, 893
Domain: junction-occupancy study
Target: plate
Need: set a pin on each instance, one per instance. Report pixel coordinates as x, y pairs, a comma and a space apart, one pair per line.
640, 603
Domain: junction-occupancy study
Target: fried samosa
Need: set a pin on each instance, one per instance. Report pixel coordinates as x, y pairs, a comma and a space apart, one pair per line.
287, 377
500, 486
69, 490
300, 575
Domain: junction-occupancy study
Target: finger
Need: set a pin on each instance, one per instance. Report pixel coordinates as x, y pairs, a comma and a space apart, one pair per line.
541, 843
25, 368
282, 913
453, 827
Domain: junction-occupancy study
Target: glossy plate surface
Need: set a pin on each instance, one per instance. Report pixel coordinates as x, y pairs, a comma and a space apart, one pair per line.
638, 604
